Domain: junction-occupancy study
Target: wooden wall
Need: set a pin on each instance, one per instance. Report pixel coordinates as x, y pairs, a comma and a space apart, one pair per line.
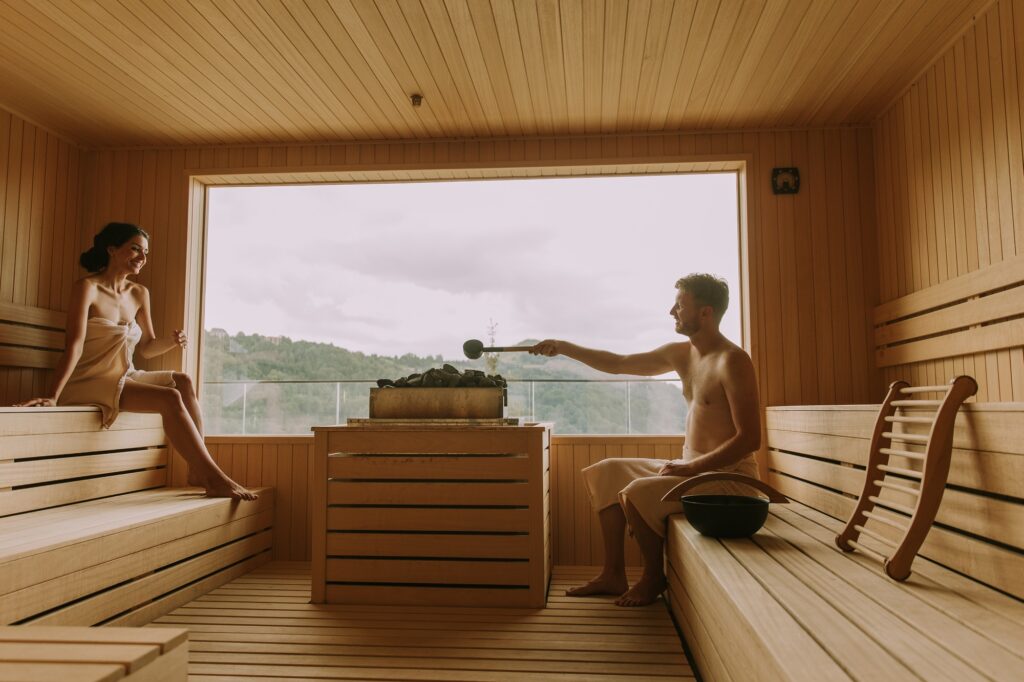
812, 258
39, 230
285, 462
949, 160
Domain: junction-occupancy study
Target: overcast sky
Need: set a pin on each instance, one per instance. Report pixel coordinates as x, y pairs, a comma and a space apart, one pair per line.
421, 267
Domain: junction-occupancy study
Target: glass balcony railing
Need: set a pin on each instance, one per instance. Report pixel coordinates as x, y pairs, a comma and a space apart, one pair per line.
576, 406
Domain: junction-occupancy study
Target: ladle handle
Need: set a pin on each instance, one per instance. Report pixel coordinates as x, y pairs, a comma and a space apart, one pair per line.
506, 349
773, 494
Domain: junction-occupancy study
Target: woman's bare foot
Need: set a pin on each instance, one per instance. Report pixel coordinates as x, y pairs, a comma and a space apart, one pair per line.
602, 584
194, 480
645, 592
229, 489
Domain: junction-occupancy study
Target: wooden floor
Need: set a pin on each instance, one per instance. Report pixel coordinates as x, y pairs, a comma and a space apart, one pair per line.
262, 627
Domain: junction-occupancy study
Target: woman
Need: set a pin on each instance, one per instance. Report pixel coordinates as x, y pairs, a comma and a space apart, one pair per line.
108, 318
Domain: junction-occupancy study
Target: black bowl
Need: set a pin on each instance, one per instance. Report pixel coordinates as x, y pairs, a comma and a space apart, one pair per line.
725, 516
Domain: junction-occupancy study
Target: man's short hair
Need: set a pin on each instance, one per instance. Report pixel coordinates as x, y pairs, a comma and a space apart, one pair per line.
707, 290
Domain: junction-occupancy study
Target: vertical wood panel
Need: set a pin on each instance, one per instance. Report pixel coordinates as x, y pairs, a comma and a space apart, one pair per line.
39, 183
950, 184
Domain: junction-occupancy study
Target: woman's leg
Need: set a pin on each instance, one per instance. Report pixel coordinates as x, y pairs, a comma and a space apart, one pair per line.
182, 432
184, 385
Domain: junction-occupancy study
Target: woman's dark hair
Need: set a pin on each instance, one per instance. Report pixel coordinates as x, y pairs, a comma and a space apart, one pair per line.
114, 234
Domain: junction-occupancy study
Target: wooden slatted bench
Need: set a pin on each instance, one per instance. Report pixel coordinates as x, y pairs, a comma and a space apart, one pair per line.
60, 654
89, 532
787, 604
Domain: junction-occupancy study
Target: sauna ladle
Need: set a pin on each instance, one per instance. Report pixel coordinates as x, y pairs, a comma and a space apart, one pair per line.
475, 348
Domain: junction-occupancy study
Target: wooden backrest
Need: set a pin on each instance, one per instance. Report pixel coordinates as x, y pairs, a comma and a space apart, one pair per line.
30, 337
817, 455
59, 455
974, 313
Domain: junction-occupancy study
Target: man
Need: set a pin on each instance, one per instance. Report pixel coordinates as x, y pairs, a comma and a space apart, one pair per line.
723, 430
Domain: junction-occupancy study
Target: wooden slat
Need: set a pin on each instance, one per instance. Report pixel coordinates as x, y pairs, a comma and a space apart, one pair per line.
28, 499
50, 444
32, 315
16, 335
465, 572
404, 467
63, 468
428, 545
975, 311
498, 493
998, 336
23, 421
492, 520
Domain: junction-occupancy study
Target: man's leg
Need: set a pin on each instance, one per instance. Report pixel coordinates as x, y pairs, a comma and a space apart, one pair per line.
612, 579
652, 583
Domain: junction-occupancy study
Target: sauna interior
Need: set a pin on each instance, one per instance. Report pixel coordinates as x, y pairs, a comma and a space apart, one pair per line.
899, 259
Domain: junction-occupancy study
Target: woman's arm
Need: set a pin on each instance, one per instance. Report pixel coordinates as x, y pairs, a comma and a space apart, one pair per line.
82, 294
653, 363
149, 345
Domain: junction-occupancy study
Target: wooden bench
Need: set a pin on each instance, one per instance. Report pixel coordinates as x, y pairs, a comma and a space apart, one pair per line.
787, 604
89, 532
59, 654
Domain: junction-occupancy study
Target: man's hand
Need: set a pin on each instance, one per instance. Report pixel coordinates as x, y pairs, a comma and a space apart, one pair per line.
548, 347
677, 467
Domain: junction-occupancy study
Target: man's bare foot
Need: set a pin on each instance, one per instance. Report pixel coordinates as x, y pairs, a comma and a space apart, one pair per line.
602, 584
645, 592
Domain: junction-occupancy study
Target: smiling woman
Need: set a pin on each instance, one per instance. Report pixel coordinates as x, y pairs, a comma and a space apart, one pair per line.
411, 270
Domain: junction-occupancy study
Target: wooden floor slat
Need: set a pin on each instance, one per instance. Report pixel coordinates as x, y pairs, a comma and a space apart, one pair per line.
262, 627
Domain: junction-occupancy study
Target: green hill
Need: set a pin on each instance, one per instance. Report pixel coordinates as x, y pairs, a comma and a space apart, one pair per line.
561, 390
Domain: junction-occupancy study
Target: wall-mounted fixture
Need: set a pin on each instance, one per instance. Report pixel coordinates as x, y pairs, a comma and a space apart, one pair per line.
416, 100
785, 180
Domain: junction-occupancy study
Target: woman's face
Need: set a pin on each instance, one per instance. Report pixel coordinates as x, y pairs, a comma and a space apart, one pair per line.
130, 256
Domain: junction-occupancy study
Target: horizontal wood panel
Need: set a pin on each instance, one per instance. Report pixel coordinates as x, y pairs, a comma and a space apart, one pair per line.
45, 595
993, 472
466, 572
27, 421
992, 337
32, 315
53, 444
402, 441
993, 427
62, 468
419, 493
17, 335
29, 499
428, 519
428, 545
405, 467
983, 561
438, 596
976, 311
987, 517
67, 540
14, 356
100, 607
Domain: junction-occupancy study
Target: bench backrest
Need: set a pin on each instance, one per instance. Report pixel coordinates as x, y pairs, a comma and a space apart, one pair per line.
30, 337
56, 456
817, 455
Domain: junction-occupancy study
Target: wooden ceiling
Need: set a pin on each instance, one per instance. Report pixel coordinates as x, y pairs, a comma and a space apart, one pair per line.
175, 72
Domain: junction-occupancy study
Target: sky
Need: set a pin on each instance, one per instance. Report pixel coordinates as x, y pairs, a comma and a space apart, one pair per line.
420, 267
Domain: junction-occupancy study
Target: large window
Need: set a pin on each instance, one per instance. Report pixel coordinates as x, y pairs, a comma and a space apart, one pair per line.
315, 292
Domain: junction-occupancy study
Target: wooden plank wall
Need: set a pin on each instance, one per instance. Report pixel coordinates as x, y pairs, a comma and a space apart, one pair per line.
949, 158
39, 230
811, 256
285, 462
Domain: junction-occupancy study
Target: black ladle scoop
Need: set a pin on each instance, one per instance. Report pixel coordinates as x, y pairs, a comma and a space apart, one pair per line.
475, 348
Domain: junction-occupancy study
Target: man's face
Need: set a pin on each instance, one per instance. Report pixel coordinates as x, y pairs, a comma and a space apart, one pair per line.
686, 313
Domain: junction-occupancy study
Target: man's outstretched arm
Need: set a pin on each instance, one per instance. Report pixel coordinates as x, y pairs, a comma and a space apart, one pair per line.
657, 361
